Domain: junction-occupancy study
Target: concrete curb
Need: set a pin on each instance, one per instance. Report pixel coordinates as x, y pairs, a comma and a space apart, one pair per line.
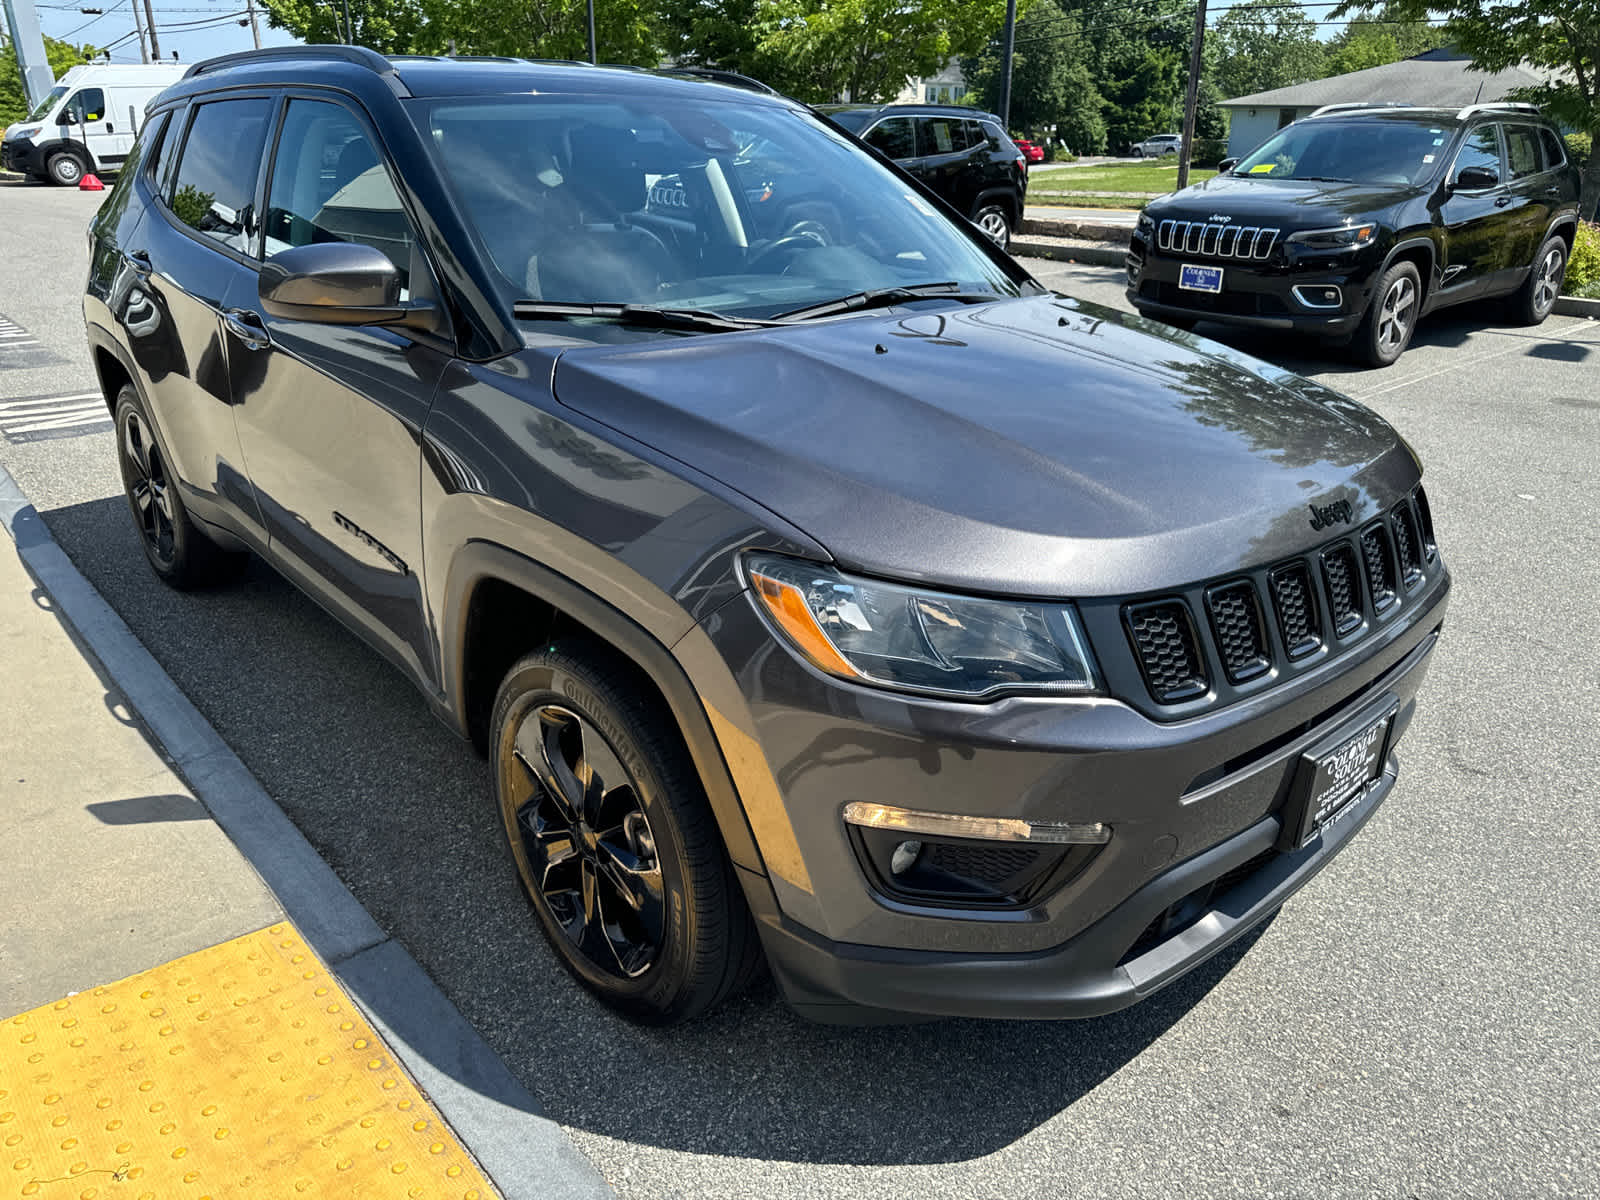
1090, 231
499, 1122
1577, 306
1095, 256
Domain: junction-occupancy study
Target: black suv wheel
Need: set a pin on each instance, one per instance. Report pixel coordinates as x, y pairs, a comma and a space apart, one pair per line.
1391, 318
994, 221
1537, 297
613, 839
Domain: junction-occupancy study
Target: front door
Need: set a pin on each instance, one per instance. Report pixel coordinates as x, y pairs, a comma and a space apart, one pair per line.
330, 416
1475, 220
895, 138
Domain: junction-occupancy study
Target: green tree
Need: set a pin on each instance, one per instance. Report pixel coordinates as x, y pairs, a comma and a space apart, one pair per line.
1561, 37
822, 49
1265, 44
1377, 36
387, 26
1051, 83
13, 96
1135, 58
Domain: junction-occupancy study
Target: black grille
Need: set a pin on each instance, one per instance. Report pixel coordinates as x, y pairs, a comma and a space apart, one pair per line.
1344, 592
1379, 566
992, 865
1430, 547
1297, 609
1408, 545
1241, 640
1164, 639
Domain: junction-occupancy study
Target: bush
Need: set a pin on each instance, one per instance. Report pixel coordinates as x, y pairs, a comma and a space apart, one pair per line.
1579, 147
1208, 152
1583, 269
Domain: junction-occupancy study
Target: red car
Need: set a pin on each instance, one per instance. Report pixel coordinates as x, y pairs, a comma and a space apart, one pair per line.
1034, 153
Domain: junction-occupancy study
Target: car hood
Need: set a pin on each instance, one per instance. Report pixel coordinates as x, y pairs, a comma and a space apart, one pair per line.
1292, 203
1036, 446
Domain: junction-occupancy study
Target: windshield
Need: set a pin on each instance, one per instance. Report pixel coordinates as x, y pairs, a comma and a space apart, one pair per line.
1370, 151
49, 102
688, 204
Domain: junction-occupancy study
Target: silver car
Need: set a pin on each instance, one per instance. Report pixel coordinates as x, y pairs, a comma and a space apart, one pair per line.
1158, 146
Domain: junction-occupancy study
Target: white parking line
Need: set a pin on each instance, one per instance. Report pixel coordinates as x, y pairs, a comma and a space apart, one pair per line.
29, 418
1519, 346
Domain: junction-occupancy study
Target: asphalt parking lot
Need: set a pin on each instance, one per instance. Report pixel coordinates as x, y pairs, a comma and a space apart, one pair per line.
1419, 1021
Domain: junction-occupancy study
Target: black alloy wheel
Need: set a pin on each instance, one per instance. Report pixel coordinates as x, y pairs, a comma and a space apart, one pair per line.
176, 550
613, 838
1536, 299
1391, 318
585, 844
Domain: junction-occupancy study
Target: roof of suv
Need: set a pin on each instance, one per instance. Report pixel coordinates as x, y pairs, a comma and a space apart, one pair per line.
952, 110
420, 75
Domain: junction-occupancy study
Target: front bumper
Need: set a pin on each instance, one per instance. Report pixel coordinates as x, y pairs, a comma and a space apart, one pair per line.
22, 155
1189, 801
1257, 294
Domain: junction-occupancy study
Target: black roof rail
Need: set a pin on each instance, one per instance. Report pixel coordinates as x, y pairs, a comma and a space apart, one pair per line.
358, 55
713, 75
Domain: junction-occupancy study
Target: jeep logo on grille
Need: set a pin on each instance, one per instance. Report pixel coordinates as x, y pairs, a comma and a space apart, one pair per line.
1219, 218
1324, 515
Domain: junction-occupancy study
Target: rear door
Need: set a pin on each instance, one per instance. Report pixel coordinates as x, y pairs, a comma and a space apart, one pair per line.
188, 253
1475, 221
946, 159
1535, 191
330, 416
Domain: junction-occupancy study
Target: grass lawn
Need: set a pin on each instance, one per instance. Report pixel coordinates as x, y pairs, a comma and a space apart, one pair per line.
1039, 195
1123, 177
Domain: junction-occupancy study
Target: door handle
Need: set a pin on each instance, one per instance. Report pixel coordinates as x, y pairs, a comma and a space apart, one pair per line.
110, 128
1502, 202
142, 266
247, 327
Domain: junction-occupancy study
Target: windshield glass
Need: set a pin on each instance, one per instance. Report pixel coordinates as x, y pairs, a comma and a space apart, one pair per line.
49, 102
687, 203
1370, 151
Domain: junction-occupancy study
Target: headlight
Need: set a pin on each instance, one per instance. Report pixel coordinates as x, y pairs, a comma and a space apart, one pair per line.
23, 131
1146, 224
923, 641
1346, 237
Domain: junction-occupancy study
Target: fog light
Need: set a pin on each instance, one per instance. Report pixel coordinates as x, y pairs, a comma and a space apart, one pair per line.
1319, 295
905, 857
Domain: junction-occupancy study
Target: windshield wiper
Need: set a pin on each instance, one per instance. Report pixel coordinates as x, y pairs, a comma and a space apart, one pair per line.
1323, 178
697, 320
883, 297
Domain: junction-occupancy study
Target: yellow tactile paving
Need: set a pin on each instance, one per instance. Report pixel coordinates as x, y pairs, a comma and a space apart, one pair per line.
242, 1070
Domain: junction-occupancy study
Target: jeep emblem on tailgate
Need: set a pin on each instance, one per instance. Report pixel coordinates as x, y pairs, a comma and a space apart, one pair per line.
1325, 515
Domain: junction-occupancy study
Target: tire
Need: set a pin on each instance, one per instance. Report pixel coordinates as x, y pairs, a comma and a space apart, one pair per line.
627, 875
1391, 319
65, 168
1533, 301
992, 219
177, 551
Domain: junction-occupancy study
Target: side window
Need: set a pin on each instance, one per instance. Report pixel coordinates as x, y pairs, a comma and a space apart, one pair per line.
161, 166
1481, 149
215, 182
1555, 154
940, 135
894, 138
329, 184
1522, 151
994, 135
971, 135
87, 104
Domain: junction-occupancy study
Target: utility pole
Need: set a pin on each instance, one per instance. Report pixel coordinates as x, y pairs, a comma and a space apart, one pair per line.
138, 32
32, 63
1191, 101
1005, 64
150, 23
349, 29
593, 57
255, 30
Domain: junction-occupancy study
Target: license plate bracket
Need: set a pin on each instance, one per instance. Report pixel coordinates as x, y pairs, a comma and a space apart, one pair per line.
1195, 278
1335, 773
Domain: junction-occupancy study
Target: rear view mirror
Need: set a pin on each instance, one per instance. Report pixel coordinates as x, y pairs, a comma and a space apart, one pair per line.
1476, 179
1227, 165
339, 283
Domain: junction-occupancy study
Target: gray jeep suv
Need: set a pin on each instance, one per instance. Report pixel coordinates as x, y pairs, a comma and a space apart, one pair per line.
830, 596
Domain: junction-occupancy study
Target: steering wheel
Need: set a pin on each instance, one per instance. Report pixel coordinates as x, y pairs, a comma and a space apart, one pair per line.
802, 235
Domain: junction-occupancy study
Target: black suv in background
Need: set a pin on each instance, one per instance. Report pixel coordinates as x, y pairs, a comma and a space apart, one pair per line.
851, 602
961, 153
1358, 220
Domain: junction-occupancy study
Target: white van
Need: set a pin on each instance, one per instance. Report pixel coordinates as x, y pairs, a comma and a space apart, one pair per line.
88, 121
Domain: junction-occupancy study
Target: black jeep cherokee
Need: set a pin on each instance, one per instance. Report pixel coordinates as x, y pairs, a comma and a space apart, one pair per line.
1358, 220
789, 636
961, 153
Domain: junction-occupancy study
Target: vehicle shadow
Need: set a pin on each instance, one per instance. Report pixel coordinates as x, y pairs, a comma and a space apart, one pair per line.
401, 809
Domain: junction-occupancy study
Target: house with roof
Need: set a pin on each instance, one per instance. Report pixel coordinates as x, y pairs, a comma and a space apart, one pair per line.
1441, 78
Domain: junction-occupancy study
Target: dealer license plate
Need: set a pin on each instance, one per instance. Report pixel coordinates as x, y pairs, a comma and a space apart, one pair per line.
1199, 279
1334, 776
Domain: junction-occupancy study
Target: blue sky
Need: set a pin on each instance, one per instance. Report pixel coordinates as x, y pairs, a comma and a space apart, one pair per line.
61, 19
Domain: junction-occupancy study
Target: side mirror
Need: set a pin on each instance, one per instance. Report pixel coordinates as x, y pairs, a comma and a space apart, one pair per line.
1476, 179
1227, 165
66, 118
339, 283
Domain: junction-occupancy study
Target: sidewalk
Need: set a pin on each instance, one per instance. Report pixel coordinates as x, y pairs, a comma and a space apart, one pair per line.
190, 1001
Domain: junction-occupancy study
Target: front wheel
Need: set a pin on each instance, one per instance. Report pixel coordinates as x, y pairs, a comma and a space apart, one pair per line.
613, 838
992, 219
65, 168
1534, 301
1391, 319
